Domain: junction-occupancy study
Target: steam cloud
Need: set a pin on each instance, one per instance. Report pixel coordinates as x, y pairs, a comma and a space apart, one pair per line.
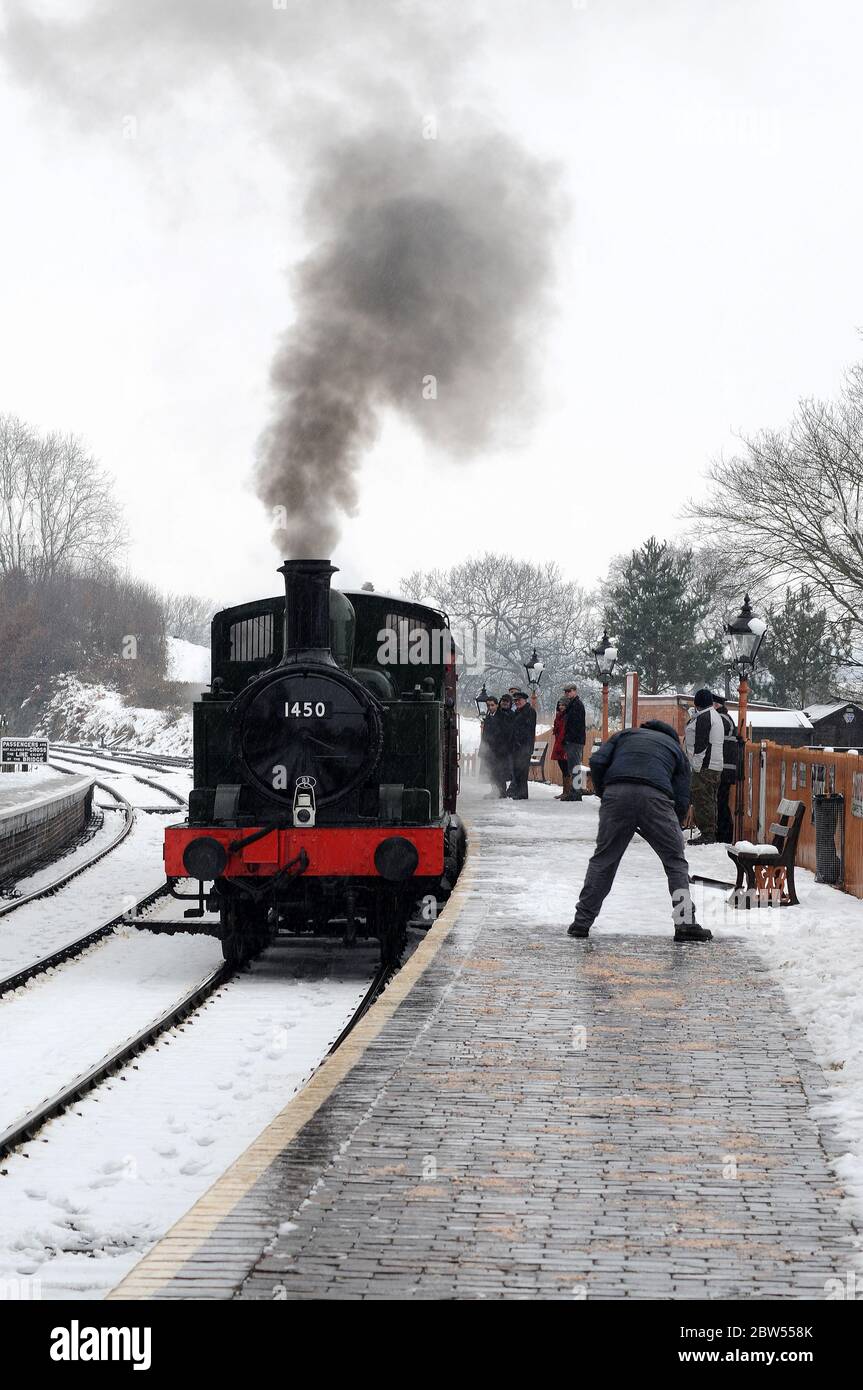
426, 290
433, 258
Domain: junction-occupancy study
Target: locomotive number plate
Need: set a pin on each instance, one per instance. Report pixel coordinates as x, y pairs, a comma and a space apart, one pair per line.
308, 709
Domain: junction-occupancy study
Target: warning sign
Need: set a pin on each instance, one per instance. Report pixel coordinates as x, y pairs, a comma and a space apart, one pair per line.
23, 750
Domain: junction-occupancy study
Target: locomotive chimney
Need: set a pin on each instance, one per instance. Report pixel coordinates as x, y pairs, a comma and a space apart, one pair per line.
307, 610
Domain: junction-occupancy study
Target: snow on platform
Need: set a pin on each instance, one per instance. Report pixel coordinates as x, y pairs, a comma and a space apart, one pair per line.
540, 1117
20, 790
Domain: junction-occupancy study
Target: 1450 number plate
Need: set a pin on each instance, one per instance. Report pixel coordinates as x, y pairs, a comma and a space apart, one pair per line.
307, 709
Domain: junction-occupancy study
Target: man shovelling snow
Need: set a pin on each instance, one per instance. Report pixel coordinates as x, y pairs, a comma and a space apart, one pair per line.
643, 779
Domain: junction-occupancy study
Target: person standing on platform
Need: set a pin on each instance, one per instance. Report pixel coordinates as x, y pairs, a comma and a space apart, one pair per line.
485, 753
503, 741
574, 734
643, 780
498, 745
523, 732
724, 818
558, 752
704, 738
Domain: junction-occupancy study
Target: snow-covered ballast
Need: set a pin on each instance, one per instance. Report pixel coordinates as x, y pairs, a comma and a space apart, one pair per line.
40, 820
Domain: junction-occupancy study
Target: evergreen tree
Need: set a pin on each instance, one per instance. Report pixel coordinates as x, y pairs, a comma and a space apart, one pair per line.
658, 609
804, 649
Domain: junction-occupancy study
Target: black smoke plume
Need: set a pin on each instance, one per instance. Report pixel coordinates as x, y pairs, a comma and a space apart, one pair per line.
426, 289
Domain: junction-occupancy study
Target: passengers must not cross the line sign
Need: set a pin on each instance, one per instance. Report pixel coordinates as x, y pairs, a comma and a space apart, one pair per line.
23, 750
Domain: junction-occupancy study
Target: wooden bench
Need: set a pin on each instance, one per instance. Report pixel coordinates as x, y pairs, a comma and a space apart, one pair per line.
536, 771
769, 878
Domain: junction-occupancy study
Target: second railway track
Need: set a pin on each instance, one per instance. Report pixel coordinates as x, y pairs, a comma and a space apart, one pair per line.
83, 941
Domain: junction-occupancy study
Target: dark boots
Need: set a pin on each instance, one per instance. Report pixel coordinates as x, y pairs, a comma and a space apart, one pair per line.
692, 932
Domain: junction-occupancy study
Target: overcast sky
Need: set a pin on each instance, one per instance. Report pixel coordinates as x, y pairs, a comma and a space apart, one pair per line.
710, 273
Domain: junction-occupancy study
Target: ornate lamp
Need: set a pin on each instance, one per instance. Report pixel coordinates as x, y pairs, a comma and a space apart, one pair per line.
605, 656
745, 636
534, 669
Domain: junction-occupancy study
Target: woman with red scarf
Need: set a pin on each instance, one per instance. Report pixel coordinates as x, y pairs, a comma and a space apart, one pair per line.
558, 752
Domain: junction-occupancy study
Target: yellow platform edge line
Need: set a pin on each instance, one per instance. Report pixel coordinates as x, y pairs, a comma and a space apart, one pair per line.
182, 1241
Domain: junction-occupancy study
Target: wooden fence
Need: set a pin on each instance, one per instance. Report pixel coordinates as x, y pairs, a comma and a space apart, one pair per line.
773, 771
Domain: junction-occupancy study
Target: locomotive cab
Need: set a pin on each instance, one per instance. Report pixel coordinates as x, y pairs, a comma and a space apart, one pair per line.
325, 766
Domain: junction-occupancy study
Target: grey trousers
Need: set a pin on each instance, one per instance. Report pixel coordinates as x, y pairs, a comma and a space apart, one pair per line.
625, 808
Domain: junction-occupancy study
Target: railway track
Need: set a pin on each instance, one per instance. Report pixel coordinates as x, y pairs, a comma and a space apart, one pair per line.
28, 1125
175, 797
69, 950
380, 980
25, 1127
160, 762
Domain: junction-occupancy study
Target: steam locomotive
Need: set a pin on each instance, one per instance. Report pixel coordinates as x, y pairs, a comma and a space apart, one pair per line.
325, 768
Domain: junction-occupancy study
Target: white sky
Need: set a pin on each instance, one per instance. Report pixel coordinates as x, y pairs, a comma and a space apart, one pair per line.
711, 275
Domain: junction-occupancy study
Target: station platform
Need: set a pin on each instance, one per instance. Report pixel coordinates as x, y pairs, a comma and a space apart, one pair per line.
40, 812
522, 1115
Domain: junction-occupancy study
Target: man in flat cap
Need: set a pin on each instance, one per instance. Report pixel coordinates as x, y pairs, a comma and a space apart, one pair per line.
523, 732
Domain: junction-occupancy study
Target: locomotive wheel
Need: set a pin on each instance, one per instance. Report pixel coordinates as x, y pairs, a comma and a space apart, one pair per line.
245, 931
454, 855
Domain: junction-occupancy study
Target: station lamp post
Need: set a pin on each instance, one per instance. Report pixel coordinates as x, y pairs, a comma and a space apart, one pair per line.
481, 702
534, 669
745, 635
605, 656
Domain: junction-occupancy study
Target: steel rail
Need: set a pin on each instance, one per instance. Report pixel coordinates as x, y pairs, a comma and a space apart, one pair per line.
28, 1125
74, 948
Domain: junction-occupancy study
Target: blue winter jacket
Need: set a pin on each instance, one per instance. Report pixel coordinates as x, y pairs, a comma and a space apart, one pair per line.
651, 755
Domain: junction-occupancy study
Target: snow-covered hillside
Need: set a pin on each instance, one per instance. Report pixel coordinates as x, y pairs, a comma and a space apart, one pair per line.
187, 661
81, 713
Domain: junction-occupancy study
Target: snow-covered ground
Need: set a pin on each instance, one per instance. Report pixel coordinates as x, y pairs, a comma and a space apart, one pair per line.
112, 886
814, 951
187, 661
88, 1196
83, 713
64, 1022
81, 1204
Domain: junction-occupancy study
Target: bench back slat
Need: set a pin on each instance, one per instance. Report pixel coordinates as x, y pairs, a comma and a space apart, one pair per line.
788, 808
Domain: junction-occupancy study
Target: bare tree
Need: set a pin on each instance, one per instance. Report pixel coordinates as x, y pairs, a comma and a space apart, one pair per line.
57, 506
788, 506
513, 606
18, 450
189, 616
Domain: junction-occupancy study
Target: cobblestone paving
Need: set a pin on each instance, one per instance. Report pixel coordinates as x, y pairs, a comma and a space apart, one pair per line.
549, 1118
